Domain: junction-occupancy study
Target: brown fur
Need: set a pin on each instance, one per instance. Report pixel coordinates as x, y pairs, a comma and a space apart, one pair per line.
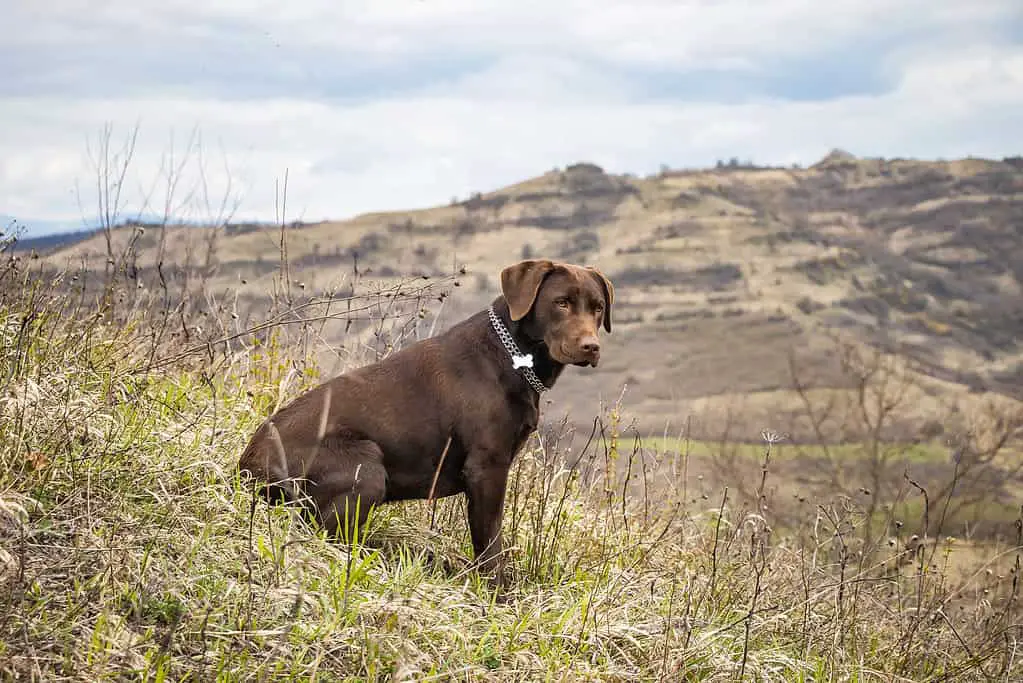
376, 434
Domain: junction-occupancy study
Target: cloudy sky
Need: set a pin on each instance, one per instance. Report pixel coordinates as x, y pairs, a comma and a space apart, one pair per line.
390, 104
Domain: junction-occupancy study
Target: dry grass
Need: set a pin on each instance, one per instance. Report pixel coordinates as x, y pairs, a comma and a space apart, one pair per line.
129, 549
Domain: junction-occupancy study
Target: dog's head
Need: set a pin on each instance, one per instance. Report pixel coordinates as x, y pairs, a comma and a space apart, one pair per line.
562, 304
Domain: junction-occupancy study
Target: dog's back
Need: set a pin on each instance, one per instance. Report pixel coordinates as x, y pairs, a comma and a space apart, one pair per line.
406, 403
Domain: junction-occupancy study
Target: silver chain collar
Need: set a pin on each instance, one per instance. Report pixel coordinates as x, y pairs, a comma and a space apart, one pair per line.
523, 361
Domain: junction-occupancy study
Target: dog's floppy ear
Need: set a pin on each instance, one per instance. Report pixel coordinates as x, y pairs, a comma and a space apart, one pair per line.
609, 295
521, 282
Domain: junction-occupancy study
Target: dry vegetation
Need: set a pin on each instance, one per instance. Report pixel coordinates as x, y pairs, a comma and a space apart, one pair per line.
872, 531
128, 547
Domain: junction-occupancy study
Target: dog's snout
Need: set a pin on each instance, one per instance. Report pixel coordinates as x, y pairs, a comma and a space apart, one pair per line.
590, 345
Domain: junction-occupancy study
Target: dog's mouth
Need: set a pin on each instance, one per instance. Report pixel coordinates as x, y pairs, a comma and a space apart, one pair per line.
580, 359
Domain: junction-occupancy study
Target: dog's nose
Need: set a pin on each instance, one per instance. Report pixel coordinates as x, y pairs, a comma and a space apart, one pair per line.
590, 346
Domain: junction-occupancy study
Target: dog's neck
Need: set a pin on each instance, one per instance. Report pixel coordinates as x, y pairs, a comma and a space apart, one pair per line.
546, 368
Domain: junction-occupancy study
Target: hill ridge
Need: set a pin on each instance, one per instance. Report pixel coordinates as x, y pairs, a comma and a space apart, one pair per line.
722, 273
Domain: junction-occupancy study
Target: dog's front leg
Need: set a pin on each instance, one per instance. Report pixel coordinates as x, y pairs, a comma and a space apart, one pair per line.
486, 476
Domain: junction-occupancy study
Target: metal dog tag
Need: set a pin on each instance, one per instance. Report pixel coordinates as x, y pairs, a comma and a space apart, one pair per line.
523, 361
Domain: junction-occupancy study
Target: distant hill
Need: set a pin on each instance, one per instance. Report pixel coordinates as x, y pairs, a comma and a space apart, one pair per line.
45, 243
720, 273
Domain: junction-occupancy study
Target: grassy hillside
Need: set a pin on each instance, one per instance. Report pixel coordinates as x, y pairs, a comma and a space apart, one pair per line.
129, 549
729, 279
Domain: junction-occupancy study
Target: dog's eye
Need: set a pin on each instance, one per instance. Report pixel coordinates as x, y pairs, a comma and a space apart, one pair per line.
561, 303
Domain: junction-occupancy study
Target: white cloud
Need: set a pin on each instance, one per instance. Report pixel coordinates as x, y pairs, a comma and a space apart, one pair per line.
552, 85
657, 32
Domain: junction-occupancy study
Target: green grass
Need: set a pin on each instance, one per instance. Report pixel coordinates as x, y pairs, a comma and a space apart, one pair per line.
129, 549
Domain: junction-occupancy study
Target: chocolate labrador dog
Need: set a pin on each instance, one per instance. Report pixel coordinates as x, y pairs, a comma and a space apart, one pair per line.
445, 415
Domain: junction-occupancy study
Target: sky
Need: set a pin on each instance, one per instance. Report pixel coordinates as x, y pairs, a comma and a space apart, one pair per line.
395, 104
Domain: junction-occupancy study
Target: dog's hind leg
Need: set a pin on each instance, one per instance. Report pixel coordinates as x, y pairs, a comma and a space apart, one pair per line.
350, 480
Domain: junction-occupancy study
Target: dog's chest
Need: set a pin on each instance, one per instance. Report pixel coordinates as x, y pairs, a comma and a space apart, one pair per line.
528, 418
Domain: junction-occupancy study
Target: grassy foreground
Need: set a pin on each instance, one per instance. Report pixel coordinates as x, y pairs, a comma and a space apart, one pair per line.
130, 550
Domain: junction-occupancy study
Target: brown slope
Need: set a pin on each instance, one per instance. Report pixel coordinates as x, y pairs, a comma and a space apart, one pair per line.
720, 273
